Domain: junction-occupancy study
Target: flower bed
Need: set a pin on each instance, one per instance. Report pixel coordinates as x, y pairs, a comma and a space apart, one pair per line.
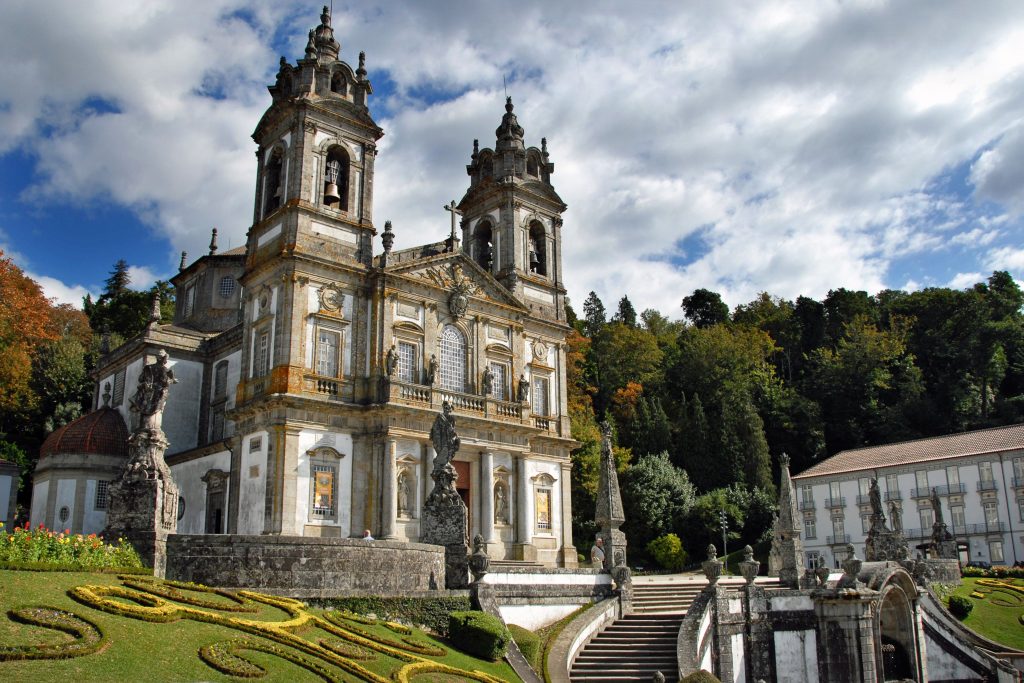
42, 549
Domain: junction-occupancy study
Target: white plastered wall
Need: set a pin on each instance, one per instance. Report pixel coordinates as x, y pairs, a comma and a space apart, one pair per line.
40, 496
252, 489
6, 487
181, 416
65, 498
191, 487
93, 521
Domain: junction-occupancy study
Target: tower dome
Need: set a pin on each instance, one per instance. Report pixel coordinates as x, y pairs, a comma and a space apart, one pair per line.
101, 432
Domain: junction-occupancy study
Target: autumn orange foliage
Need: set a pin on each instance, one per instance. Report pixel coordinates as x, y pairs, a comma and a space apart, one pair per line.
26, 322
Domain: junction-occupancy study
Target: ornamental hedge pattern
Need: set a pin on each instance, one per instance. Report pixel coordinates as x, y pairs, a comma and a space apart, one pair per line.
341, 657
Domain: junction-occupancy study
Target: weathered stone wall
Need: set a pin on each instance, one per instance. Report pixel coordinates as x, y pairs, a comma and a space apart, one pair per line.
306, 567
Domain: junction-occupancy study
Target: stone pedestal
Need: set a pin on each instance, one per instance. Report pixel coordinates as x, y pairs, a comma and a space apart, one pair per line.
883, 544
943, 545
445, 522
143, 507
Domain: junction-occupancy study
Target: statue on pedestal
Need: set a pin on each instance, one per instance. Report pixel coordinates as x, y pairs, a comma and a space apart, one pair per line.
445, 518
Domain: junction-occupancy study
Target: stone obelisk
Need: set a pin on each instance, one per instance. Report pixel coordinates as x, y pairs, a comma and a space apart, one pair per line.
609, 515
143, 507
445, 518
787, 531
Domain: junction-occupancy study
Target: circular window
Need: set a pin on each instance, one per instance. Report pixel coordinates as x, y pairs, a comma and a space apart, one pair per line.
181, 507
264, 302
64, 514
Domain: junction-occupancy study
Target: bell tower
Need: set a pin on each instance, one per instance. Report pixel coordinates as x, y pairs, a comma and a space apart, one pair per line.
317, 143
512, 218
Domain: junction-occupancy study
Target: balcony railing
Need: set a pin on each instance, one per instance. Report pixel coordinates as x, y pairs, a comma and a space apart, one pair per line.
836, 540
807, 505
462, 402
1018, 482
863, 498
921, 493
893, 495
987, 485
835, 502
947, 489
917, 533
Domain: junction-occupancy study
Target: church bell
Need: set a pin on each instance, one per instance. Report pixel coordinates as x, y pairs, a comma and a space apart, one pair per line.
331, 195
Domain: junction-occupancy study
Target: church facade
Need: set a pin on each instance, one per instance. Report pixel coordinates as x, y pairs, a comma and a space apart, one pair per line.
311, 363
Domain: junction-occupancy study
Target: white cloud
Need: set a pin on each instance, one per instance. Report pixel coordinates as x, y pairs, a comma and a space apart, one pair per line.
965, 280
788, 147
60, 292
1007, 258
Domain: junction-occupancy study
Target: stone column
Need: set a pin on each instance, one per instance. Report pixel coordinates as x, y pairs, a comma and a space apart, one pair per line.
291, 525
524, 549
487, 496
568, 550
428, 467
389, 499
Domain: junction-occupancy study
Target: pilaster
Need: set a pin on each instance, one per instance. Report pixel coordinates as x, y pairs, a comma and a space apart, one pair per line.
487, 496
389, 497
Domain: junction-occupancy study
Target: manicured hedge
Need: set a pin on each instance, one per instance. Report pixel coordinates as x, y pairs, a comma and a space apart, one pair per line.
960, 606
528, 642
478, 634
429, 612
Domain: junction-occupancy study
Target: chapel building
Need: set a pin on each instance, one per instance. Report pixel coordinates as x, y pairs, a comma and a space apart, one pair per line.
311, 363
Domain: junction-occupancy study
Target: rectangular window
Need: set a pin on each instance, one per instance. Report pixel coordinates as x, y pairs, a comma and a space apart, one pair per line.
1018, 469
540, 396
255, 444
995, 551
217, 424
118, 398
190, 301
834, 490
865, 524
991, 514
953, 476
499, 384
810, 527
102, 488
323, 491
922, 479
407, 365
327, 343
927, 519
220, 379
1020, 508
261, 359
813, 557
838, 527
863, 486
956, 516
543, 508
985, 471
807, 494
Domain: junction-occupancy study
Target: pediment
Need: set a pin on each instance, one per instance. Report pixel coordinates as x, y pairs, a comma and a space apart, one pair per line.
456, 272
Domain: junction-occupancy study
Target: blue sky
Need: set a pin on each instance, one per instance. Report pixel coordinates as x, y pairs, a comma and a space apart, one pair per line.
789, 147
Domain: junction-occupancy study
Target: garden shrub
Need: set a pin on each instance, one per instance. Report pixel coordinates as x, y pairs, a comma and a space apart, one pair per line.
431, 613
960, 606
23, 547
479, 634
668, 551
528, 643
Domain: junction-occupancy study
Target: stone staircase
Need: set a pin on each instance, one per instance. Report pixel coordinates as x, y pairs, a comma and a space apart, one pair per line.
502, 565
634, 647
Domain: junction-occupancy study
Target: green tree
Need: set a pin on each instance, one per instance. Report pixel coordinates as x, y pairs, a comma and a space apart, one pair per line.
623, 354
744, 450
656, 495
626, 313
593, 315
705, 308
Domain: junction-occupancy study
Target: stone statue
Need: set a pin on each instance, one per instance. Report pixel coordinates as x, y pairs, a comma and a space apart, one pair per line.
524, 389
500, 504
444, 437
875, 497
151, 395
895, 517
391, 361
403, 493
487, 384
432, 370
937, 506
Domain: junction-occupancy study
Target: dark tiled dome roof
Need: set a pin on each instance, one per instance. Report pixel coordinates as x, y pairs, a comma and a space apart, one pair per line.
102, 432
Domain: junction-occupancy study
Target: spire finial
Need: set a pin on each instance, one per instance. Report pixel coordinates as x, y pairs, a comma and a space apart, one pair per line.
508, 104
181, 265
544, 146
213, 242
361, 71
476, 148
325, 16
154, 313
388, 238
106, 394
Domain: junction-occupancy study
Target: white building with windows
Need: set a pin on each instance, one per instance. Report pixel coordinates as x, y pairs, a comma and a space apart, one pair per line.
312, 362
978, 476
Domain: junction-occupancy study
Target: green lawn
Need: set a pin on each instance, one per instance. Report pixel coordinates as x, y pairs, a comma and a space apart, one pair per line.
996, 615
138, 649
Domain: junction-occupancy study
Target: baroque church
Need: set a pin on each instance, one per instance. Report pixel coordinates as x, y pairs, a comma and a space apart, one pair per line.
311, 363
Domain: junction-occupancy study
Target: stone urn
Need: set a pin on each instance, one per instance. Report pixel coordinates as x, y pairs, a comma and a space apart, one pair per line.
712, 566
479, 562
749, 566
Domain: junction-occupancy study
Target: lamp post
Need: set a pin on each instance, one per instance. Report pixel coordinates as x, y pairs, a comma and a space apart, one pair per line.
724, 521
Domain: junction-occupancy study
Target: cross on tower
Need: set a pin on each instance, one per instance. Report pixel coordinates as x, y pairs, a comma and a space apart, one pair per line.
454, 211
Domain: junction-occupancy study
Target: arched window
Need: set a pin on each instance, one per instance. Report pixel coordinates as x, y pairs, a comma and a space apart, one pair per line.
483, 246
538, 249
453, 359
533, 166
273, 182
486, 166
336, 179
338, 84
